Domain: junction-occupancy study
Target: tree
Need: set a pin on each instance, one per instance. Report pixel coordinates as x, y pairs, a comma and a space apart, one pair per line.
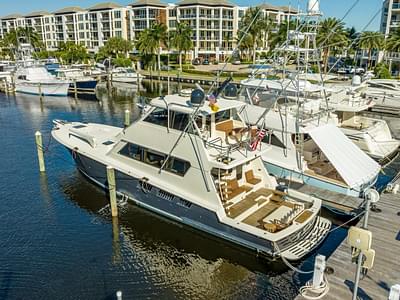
159, 34
382, 71
114, 47
181, 40
23, 35
331, 35
256, 27
371, 40
147, 46
393, 41
281, 35
71, 52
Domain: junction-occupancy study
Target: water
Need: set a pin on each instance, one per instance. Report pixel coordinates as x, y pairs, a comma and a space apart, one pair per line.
57, 239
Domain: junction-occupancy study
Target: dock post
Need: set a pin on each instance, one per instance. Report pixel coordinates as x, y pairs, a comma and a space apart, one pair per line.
39, 146
127, 121
40, 91
112, 190
75, 90
394, 292
360, 255
119, 295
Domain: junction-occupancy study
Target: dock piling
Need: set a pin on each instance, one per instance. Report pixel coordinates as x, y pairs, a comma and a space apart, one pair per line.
127, 121
112, 191
75, 90
40, 91
39, 146
119, 295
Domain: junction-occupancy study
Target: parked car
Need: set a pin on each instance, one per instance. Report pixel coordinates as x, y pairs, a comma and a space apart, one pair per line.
236, 62
196, 62
206, 62
166, 68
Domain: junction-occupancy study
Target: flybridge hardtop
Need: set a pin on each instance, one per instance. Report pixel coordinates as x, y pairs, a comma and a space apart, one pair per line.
197, 162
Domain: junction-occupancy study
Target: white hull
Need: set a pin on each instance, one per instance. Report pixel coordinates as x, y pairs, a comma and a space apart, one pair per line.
132, 78
46, 88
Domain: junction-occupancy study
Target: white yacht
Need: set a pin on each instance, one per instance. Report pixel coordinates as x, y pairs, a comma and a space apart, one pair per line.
340, 105
384, 91
195, 162
36, 80
370, 134
309, 148
125, 75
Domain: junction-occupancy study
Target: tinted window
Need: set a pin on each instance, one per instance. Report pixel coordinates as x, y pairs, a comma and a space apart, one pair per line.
271, 138
132, 151
156, 159
159, 116
178, 120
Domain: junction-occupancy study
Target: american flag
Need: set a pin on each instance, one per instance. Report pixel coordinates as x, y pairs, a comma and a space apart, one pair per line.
260, 135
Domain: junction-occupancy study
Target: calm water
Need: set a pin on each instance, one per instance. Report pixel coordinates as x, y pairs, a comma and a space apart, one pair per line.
57, 241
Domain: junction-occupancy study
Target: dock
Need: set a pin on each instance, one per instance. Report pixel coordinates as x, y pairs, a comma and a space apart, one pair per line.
385, 228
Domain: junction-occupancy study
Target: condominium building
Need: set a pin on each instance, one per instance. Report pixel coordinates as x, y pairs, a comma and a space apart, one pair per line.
391, 21
390, 16
215, 23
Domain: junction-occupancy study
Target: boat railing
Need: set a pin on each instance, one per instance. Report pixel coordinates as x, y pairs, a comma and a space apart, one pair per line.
224, 149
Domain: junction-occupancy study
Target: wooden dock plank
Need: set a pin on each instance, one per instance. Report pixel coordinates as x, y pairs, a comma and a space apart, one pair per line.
385, 228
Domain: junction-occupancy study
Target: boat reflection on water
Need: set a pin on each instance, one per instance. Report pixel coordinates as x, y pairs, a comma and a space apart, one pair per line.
178, 257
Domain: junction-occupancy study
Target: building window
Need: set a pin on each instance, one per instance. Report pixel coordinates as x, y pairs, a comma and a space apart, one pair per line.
118, 24
117, 14
118, 34
155, 159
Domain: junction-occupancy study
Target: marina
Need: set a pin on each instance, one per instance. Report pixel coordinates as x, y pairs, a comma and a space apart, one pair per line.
200, 150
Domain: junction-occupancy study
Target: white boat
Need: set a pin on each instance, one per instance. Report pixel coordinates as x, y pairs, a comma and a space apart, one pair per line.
340, 105
126, 75
384, 91
36, 80
199, 171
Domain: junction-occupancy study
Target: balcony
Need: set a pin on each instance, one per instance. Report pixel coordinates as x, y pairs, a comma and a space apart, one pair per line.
396, 6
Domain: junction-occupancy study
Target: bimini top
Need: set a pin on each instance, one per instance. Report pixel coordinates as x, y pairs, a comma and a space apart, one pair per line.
183, 104
354, 166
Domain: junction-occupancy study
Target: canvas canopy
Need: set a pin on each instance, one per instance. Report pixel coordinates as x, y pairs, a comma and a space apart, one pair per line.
354, 166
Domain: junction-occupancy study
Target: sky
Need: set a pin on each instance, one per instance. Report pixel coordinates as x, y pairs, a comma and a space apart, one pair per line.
359, 17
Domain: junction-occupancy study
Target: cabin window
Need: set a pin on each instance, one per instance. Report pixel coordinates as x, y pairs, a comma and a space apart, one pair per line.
272, 139
178, 120
132, 151
155, 159
158, 116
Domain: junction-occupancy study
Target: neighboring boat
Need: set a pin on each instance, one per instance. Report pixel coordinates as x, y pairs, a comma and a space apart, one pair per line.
316, 153
384, 91
84, 86
35, 80
51, 65
125, 75
340, 105
204, 169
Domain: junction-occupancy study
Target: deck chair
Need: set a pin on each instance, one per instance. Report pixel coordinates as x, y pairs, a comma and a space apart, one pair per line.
251, 179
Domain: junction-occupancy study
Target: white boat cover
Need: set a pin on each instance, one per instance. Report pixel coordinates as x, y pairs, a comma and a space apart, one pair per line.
354, 166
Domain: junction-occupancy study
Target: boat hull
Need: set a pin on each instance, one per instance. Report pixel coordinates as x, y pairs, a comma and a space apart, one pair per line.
45, 89
84, 89
183, 211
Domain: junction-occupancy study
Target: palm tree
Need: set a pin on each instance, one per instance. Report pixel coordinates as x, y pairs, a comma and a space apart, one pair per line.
331, 35
256, 27
181, 39
146, 45
24, 35
159, 33
280, 36
393, 41
371, 40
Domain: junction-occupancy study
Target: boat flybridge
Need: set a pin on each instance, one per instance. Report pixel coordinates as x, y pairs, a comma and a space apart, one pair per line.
198, 163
